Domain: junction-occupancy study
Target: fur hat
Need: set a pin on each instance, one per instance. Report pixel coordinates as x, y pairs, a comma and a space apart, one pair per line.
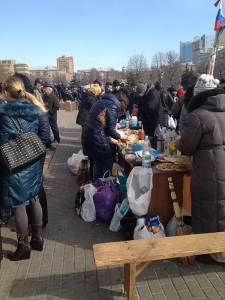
116, 83
108, 83
141, 88
134, 82
205, 82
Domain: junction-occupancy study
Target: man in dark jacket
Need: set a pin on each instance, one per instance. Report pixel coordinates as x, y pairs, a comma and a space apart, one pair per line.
149, 108
166, 101
52, 104
117, 88
133, 97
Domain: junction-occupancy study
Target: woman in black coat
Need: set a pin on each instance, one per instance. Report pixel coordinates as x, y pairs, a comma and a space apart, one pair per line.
88, 99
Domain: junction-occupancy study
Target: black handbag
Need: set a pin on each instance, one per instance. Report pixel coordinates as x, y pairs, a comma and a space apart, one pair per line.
23, 151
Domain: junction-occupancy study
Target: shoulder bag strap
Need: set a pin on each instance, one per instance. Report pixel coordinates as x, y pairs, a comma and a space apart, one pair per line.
19, 128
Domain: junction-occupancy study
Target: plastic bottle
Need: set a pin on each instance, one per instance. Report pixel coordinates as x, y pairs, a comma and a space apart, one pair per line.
146, 155
166, 141
172, 145
159, 137
134, 121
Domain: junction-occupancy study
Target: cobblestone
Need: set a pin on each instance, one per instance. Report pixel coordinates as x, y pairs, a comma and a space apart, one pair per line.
63, 271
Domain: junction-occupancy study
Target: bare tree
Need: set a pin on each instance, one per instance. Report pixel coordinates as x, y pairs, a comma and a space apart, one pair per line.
94, 74
173, 70
167, 68
202, 66
137, 65
158, 63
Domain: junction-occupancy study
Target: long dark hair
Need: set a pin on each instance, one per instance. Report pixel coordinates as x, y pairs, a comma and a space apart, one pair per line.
188, 94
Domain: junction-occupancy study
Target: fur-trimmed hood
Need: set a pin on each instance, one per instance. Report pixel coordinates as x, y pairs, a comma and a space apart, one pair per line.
210, 99
20, 108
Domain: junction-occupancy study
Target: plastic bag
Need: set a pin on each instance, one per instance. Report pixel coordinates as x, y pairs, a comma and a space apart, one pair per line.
119, 213
105, 199
88, 212
171, 227
139, 186
141, 232
74, 161
171, 122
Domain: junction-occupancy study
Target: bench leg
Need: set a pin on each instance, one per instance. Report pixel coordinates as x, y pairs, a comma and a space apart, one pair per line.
129, 280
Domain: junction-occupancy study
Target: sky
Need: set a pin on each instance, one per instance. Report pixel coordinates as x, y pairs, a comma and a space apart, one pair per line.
99, 33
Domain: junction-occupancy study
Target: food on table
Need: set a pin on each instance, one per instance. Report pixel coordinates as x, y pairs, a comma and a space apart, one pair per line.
166, 166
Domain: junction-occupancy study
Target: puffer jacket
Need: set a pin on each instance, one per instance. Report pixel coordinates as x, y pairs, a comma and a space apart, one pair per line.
88, 99
204, 138
100, 124
26, 184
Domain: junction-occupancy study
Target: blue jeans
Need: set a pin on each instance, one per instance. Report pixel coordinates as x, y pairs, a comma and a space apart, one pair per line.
54, 127
101, 166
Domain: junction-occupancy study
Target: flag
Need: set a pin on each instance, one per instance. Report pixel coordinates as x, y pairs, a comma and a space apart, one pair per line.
220, 18
217, 2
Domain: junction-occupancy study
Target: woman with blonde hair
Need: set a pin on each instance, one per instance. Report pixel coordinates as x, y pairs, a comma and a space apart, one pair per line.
21, 188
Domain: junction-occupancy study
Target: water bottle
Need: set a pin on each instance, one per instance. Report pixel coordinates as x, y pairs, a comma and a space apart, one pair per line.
146, 155
166, 141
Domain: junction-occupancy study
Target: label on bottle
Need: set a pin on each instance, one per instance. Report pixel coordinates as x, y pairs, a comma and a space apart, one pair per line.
173, 149
146, 159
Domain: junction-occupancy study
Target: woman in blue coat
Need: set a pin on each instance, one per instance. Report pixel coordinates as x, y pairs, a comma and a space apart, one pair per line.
20, 189
101, 124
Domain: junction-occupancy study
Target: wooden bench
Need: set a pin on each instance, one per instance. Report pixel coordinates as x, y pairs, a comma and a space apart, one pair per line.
143, 252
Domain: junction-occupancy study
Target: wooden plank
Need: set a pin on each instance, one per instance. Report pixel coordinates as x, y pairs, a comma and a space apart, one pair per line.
141, 267
109, 254
129, 280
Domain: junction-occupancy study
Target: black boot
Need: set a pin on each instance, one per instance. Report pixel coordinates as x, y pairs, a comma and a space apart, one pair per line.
23, 248
37, 240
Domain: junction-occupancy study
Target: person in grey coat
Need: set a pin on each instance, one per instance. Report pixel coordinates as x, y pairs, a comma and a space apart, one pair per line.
204, 139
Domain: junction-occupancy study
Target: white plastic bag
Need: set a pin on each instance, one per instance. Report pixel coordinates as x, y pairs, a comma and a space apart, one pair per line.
171, 227
141, 232
171, 122
139, 186
88, 212
75, 160
119, 213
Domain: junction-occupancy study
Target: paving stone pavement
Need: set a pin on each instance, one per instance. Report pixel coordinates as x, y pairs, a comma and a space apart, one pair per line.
65, 269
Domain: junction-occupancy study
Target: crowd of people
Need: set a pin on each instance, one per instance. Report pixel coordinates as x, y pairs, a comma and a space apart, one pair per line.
200, 115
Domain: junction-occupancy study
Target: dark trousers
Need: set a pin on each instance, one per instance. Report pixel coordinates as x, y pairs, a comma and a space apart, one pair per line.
42, 200
54, 127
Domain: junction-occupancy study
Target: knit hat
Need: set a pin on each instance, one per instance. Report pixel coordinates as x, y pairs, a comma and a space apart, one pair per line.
158, 85
98, 82
134, 82
116, 83
205, 82
141, 88
108, 83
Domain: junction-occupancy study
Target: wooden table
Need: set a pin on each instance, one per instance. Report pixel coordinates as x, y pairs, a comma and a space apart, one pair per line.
161, 203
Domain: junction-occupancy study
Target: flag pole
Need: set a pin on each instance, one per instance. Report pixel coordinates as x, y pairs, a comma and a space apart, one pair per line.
212, 59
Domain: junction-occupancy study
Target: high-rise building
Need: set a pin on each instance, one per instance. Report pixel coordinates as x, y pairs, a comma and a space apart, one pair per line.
192, 51
65, 64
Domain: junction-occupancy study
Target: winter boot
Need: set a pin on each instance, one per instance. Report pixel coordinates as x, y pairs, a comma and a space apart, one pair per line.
37, 240
23, 248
